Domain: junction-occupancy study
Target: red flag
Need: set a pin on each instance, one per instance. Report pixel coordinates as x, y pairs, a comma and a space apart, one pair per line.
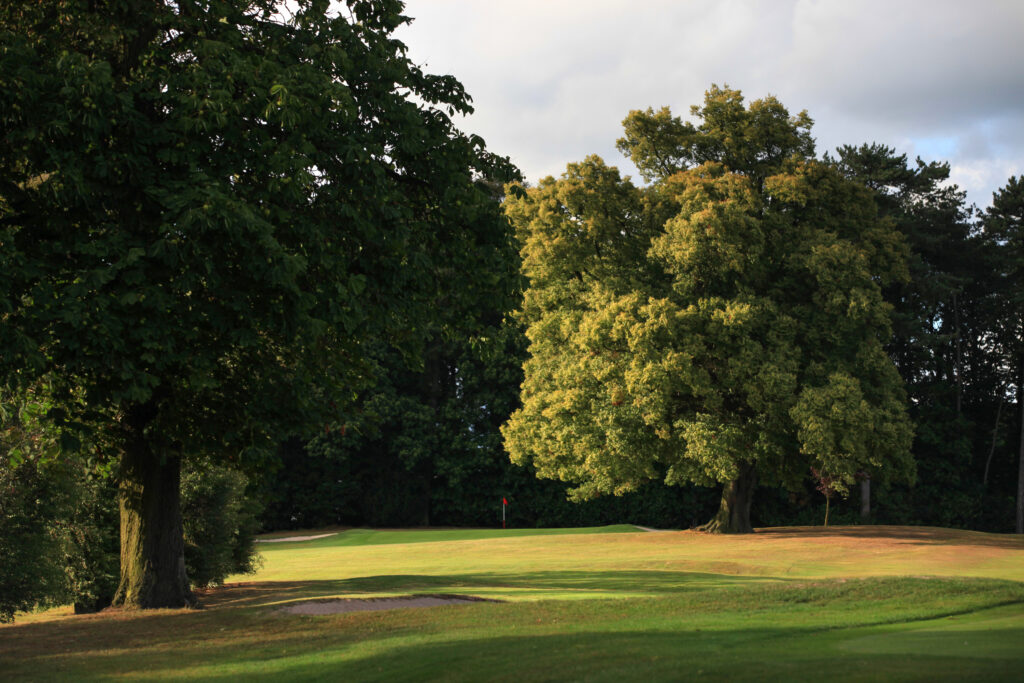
504, 501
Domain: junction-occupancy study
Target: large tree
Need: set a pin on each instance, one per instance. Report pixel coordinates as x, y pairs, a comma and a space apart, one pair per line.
1004, 230
938, 316
206, 209
723, 325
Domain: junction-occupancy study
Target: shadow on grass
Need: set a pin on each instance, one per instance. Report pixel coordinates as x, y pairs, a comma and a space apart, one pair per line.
526, 584
122, 629
764, 625
614, 654
904, 534
737, 654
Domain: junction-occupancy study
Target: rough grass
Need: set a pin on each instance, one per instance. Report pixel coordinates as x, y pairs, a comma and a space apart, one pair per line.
863, 603
351, 537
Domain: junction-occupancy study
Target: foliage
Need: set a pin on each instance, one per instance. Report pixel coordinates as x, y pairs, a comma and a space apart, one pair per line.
950, 322
420, 444
828, 486
397, 462
92, 558
59, 524
1004, 226
145, 266
36, 493
335, 486
727, 318
59, 517
420, 447
59, 533
33, 497
206, 211
1004, 233
220, 524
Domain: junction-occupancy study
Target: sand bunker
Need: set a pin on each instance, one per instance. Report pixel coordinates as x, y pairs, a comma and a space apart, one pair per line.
343, 605
289, 539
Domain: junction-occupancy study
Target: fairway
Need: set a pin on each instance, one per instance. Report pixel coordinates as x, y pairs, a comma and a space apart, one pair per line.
612, 603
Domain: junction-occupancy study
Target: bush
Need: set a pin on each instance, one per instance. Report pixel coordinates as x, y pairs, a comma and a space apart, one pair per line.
220, 525
59, 532
93, 557
34, 497
58, 536
59, 518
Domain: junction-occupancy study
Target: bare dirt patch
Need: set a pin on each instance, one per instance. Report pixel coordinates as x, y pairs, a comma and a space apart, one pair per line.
343, 605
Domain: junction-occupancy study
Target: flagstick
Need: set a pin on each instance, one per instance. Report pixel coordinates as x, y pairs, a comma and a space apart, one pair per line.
503, 506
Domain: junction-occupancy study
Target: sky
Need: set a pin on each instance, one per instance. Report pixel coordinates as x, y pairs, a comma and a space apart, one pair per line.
551, 80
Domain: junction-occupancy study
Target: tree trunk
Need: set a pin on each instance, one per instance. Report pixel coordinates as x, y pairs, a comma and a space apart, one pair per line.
152, 542
865, 499
959, 358
1020, 467
734, 511
995, 434
434, 388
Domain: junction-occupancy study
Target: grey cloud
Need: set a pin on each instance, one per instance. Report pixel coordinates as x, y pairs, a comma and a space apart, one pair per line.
551, 81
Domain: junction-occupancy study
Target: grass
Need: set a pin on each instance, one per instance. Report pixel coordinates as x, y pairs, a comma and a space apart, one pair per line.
352, 537
861, 603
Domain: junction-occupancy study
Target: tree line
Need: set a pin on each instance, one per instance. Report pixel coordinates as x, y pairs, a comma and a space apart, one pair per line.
236, 237
657, 322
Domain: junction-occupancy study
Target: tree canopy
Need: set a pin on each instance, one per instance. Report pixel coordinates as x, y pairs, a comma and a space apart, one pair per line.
1004, 230
206, 210
724, 324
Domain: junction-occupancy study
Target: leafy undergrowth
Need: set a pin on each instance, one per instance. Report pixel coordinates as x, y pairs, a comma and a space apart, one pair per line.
569, 621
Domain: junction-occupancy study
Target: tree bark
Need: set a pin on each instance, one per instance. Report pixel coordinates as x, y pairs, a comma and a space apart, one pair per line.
995, 434
434, 388
733, 515
959, 358
1020, 466
865, 499
152, 542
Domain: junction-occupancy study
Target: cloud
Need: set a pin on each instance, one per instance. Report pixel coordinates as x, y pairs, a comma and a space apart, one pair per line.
552, 81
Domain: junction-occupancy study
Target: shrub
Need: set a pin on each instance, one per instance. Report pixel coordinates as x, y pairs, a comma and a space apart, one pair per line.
220, 525
34, 497
59, 533
92, 560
